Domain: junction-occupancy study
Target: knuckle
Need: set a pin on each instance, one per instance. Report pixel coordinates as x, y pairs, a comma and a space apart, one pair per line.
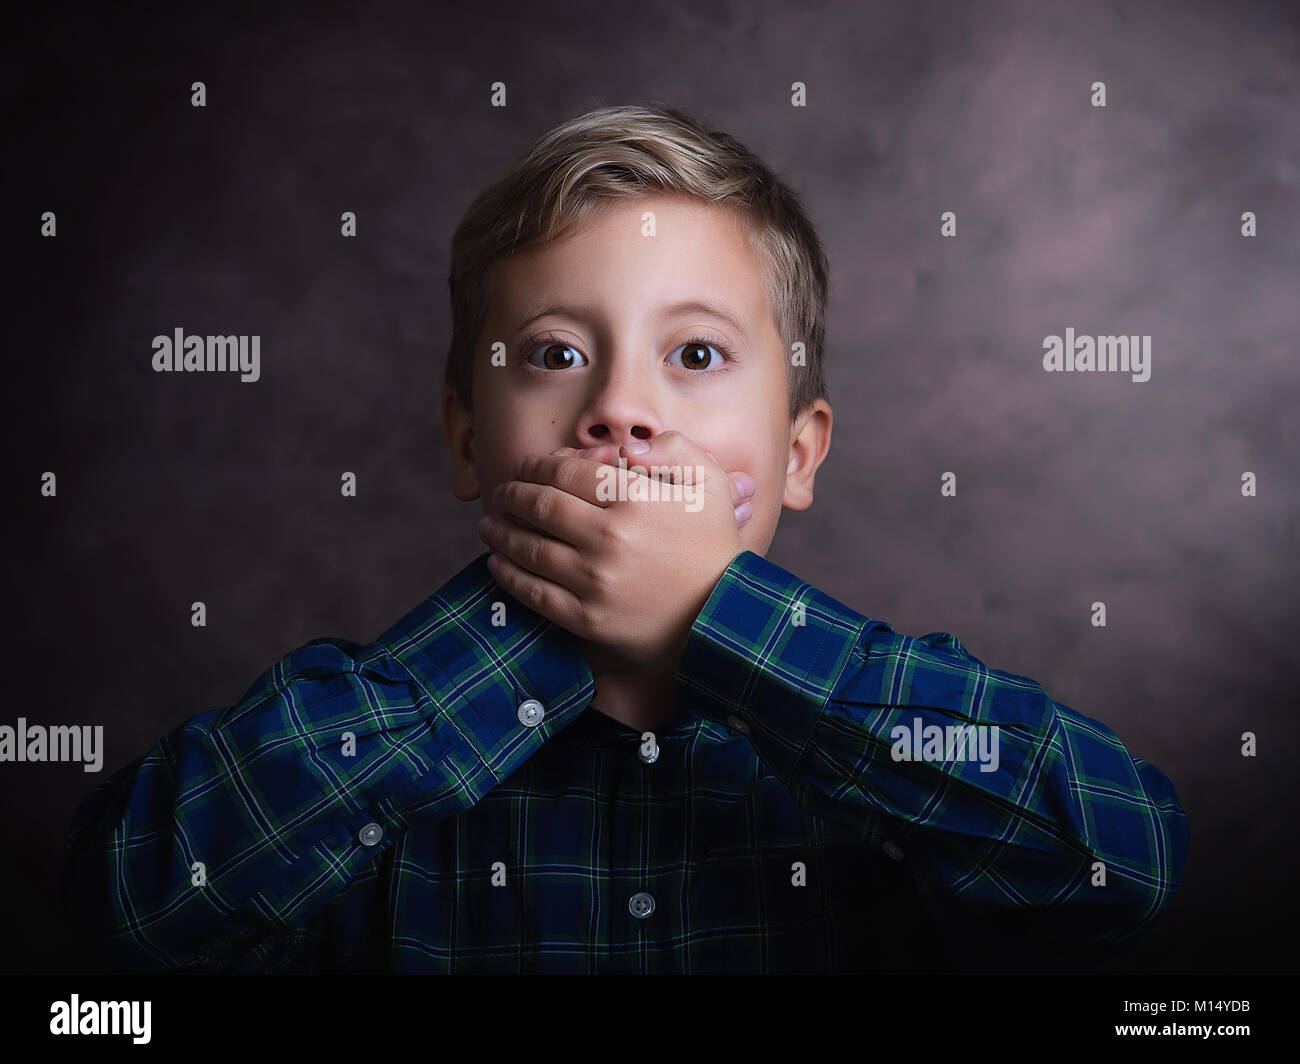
597, 577
543, 507
587, 618
566, 477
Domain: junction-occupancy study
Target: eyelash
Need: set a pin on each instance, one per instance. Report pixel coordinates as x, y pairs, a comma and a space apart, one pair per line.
704, 339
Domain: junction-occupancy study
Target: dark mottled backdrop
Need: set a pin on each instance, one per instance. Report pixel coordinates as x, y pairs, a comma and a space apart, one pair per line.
1073, 488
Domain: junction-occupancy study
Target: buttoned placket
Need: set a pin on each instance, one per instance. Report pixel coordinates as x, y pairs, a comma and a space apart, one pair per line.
642, 903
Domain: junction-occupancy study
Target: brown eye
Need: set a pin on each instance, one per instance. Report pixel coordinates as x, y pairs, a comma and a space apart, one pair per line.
556, 356
697, 355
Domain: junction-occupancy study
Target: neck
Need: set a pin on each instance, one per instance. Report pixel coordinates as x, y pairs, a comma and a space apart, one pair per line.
638, 696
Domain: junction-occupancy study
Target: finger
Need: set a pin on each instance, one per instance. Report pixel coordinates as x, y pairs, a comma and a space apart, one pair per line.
606, 453
584, 479
555, 509
552, 601
603, 452
559, 452
742, 487
543, 555
673, 450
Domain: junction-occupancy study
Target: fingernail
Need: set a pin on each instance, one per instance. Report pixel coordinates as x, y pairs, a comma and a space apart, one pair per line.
743, 513
636, 447
519, 465
745, 485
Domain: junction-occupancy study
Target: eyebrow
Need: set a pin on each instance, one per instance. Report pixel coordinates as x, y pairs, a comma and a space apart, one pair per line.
675, 310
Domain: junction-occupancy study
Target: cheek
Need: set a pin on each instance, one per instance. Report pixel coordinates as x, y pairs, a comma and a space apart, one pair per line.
501, 439
501, 450
763, 465
759, 463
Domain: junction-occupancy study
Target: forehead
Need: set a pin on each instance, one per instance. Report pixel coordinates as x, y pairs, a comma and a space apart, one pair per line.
651, 247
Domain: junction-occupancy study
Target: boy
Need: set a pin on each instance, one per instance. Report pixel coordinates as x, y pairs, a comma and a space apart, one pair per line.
624, 741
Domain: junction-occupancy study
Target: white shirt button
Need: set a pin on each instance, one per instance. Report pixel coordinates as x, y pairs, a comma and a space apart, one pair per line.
738, 724
531, 713
641, 905
892, 851
648, 750
370, 834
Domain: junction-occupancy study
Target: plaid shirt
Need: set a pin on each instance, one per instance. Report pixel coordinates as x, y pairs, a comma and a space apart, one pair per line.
444, 800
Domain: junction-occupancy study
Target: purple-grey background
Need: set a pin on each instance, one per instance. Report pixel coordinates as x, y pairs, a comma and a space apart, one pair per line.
1072, 488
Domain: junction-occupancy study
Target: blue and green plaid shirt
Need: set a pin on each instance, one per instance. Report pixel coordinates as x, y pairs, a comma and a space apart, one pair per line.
445, 799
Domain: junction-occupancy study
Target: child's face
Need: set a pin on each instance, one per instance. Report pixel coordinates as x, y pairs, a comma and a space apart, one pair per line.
630, 367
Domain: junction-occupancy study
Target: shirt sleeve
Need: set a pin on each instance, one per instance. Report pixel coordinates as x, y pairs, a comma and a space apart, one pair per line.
216, 848
1067, 838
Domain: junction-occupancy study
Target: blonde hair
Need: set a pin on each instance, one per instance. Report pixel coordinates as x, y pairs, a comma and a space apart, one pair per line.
618, 152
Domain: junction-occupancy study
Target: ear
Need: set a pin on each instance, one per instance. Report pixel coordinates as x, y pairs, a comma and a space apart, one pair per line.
458, 427
808, 447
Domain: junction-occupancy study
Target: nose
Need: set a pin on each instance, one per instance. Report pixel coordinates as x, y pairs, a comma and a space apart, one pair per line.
622, 409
